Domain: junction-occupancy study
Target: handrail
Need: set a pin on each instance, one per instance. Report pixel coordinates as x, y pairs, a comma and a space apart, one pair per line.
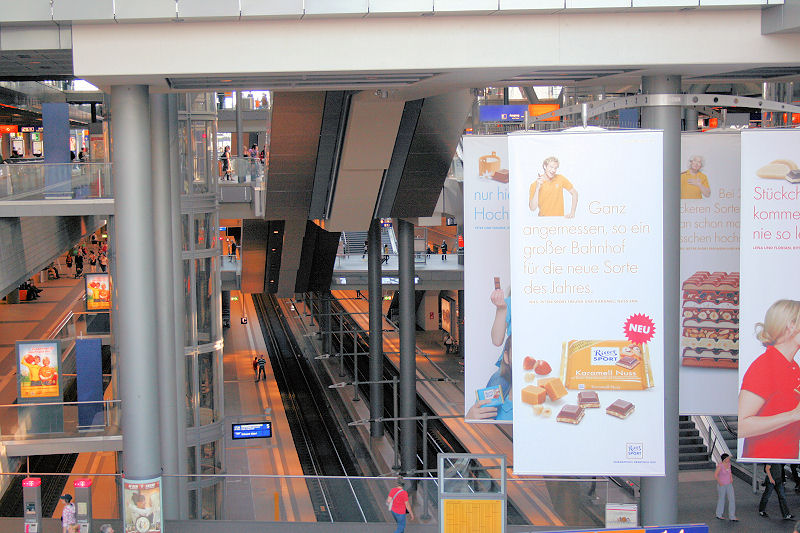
40, 404
711, 436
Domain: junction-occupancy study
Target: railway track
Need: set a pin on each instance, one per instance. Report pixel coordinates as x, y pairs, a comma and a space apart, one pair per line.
321, 449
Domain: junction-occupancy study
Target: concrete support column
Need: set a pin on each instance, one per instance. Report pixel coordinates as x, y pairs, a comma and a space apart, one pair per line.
408, 361
660, 495
135, 282
239, 145
178, 300
162, 239
690, 122
374, 272
461, 323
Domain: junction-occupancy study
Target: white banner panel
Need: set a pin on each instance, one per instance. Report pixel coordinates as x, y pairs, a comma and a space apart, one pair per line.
710, 205
769, 418
487, 378
588, 359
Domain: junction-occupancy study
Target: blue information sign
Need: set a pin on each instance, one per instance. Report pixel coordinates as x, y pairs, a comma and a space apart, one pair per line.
502, 113
257, 430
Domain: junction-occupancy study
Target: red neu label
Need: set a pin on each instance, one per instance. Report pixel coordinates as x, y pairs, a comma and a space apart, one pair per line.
639, 328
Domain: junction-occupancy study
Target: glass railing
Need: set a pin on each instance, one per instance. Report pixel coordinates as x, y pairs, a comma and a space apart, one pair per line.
54, 420
557, 503
241, 170
27, 179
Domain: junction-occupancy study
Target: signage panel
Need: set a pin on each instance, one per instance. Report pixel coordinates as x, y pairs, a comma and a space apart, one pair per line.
38, 370
447, 314
587, 282
709, 329
257, 430
142, 505
98, 292
769, 377
487, 280
502, 113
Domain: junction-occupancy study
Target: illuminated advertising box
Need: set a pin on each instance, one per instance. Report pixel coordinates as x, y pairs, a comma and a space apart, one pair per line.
141, 504
535, 110
98, 292
502, 113
587, 299
257, 430
38, 370
769, 316
709, 328
447, 314
487, 281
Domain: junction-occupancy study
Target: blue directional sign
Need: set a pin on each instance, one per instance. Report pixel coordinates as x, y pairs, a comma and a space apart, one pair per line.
257, 430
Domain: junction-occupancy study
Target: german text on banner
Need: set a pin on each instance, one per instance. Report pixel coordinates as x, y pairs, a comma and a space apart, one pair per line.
709, 328
769, 376
587, 302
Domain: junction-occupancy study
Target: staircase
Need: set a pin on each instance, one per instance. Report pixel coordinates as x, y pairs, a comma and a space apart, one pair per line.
354, 241
692, 452
728, 427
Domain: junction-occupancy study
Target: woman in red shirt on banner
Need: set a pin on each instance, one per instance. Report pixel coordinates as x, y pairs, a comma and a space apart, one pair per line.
769, 402
398, 503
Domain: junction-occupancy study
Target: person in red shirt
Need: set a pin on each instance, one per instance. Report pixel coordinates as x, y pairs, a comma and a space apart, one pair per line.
769, 401
398, 503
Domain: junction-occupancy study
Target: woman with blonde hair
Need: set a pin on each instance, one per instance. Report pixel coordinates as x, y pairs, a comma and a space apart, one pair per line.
769, 401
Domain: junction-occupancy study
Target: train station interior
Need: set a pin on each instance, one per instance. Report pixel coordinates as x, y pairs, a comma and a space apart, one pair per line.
234, 254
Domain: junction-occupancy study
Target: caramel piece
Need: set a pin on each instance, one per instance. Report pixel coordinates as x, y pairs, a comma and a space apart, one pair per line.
534, 395
554, 387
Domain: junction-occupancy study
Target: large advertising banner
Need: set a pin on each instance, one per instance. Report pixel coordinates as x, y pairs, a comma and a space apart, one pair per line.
98, 292
38, 368
587, 298
710, 205
487, 365
142, 505
769, 377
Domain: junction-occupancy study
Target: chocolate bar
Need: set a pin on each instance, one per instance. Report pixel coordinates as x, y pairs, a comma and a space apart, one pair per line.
628, 362
620, 409
571, 414
588, 399
501, 176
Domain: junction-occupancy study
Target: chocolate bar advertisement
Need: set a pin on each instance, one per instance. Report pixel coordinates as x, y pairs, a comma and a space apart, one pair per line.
487, 366
709, 327
769, 339
142, 505
586, 258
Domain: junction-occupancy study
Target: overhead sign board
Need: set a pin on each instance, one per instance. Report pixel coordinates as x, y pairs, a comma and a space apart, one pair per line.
257, 430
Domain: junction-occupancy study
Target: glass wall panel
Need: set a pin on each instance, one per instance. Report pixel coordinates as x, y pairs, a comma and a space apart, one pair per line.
201, 102
188, 330
191, 461
209, 503
192, 504
190, 391
205, 299
185, 226
201, 156
209, 462
207, 407
204, 231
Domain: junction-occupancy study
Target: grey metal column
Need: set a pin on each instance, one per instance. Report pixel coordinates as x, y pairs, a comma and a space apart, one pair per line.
325, 323
135, 282
461, 323
660, 495
408, 361
162, 239
374, 271
240, 146
179, 303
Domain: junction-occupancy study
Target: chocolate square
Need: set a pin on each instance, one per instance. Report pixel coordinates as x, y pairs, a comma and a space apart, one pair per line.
628, 362
620, 409
571, 414
588, 398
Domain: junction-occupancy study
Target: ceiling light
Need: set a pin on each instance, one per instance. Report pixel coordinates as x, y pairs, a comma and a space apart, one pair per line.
226, 81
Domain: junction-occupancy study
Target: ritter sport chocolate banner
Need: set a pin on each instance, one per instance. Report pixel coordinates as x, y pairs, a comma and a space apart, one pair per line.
487, 377
709, 327
769, 376
587, 302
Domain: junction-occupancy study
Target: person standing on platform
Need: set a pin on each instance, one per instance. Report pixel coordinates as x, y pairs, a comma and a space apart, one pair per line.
103, 260
68, 260
385, 260
261, 363
79, 264
774, 480
226, 163
444, 250
366, 249
724, 479
68, 518
233, 250
92, 262
398, 503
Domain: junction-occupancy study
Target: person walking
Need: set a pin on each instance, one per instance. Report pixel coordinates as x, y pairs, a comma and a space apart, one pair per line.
226, 163
92, 262
68, 517
233, 250
68, 260
385, 260
79, 265
774, 480
261, 363
103, 260
398, 504
725, 488
444, 250
366, 249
